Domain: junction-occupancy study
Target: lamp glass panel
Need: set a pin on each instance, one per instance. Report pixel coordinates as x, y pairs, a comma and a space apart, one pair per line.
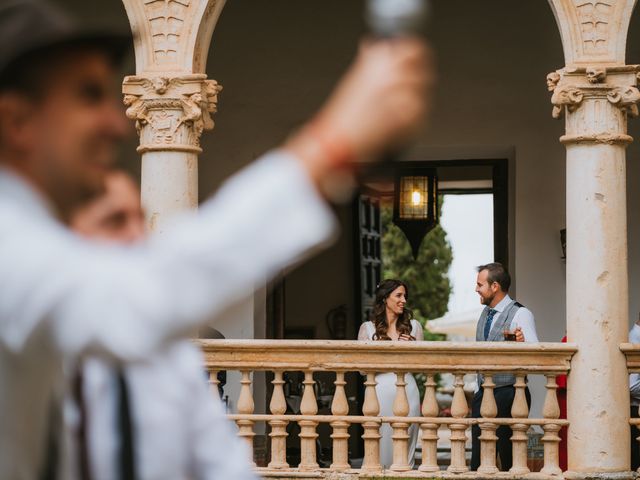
414, 197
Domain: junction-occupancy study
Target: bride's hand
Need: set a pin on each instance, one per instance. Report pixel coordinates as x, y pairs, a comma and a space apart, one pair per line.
405, 337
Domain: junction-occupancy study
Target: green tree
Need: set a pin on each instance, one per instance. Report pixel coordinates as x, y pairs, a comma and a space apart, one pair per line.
427, 276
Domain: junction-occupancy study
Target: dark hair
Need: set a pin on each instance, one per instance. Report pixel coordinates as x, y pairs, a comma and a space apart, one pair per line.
30, 73
497, 273
379, 312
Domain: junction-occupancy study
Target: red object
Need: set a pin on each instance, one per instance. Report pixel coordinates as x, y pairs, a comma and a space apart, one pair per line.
561, 380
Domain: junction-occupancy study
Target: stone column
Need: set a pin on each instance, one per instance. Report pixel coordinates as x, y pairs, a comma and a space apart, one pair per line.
170, 99
596, 92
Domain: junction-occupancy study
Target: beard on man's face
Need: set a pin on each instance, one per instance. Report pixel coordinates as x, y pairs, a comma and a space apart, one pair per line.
486, 300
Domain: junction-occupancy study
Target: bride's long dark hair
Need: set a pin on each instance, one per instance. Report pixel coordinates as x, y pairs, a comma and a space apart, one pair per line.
379, 312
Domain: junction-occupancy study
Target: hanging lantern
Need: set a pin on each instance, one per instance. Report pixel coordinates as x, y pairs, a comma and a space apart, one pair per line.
415, 204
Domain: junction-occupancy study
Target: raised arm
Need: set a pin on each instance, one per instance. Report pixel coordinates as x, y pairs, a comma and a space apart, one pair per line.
272, 215
127, 302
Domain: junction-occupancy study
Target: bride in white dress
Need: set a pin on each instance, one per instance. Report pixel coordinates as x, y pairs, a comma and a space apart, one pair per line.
391, 320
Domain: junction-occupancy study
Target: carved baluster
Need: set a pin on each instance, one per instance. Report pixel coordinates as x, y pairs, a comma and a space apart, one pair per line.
214, 382
459, 409
488, 438
308, 434
340, 434
245, 407
278, 406
371, 436
519, 409
400, 434
430, 409
551, 439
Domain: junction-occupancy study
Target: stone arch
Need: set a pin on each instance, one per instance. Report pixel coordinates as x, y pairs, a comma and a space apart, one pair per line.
593, 31
172, 35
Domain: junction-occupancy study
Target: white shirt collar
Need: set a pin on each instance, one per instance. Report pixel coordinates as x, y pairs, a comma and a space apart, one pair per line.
502, 304
17, 190
634, 334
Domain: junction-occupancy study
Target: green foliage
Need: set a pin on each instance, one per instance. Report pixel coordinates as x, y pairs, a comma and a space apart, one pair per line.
427, 276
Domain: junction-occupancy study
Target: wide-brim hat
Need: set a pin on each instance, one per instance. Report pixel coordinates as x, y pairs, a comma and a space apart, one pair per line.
31, 26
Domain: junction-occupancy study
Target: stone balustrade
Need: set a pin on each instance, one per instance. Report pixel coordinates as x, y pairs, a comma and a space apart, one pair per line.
632, 353
341, 358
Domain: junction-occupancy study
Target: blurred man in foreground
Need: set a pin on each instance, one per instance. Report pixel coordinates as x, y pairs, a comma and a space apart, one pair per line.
155, 419
63, 297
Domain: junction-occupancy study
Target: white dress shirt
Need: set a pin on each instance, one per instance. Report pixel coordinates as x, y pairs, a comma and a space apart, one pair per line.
523, 319
180, 430
634, 378
62, 296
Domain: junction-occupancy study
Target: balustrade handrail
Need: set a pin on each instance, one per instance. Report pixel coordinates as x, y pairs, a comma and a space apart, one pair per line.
346, 355
632, 352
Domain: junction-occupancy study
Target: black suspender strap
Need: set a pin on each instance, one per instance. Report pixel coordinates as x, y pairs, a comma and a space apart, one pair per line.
84, 468
52, 444
125, 425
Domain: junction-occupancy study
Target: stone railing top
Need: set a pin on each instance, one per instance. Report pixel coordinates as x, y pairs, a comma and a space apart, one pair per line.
632, 352
333, 355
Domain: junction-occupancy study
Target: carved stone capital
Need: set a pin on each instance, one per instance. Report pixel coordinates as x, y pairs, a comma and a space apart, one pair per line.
171, 112
566, 96
625, 98
574, 86
571, 96
597, 101
553, 79
596, 74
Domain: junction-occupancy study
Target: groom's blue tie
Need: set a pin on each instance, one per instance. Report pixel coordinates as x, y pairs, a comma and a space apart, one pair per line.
487, 325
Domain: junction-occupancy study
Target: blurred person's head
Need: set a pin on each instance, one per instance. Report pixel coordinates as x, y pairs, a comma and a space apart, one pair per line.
60, 117
115, 216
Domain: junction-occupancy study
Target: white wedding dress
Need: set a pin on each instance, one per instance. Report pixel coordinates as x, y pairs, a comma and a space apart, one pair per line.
386, 392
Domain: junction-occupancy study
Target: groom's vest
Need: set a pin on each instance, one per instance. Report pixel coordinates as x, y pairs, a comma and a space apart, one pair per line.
496, 335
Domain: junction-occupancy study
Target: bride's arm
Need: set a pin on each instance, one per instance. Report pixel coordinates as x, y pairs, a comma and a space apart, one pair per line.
362, 333
419, 332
